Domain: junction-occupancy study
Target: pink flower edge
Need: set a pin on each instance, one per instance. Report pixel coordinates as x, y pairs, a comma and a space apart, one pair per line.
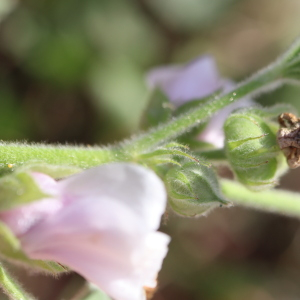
103, 226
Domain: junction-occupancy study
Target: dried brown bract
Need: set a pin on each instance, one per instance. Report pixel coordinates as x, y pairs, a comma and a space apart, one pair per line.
149, 292
288, 138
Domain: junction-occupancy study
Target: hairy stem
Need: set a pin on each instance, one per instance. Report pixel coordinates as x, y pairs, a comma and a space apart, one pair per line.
11, 287
277, 201
16, 154
255, 84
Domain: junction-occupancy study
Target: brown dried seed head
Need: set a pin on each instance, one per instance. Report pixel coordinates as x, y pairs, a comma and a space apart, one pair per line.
288, 138
287, 120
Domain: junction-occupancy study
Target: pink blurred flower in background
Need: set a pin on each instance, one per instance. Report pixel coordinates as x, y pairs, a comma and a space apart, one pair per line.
101, 223
196, 80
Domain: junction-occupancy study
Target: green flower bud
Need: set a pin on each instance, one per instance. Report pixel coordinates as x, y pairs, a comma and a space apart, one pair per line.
193, 189
252, 150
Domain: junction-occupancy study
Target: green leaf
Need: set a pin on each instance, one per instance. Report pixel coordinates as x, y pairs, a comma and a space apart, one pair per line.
159, 110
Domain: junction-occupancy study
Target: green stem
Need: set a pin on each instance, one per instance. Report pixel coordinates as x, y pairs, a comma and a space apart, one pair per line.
11, 287
277, 201
16, 154
260, 81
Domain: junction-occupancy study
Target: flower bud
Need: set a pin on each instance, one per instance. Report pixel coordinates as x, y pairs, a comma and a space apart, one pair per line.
252, 149
193, 189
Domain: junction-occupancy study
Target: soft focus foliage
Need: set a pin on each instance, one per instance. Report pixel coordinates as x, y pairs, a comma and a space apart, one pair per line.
72, 71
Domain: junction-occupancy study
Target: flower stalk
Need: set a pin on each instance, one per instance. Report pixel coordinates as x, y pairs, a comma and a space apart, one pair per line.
11, 287
275, 201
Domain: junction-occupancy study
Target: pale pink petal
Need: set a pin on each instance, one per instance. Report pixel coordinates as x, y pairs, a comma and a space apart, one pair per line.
195, 80
135, 186
103, 226
149, 261
104, 241
21, 219
46, 183
157, 77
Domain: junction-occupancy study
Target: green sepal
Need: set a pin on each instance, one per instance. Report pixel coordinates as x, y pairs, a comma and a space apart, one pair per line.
193, 189
168, 152
10, 249
19, 188
54, 171
171, 153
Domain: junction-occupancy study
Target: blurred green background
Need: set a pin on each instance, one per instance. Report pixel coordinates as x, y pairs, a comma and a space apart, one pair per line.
72, 71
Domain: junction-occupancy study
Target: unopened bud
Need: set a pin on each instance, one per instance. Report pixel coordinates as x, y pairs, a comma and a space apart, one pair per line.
194, 189
252, 149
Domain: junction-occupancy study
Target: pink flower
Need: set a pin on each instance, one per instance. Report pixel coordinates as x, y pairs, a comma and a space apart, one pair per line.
102, 224
181, 84
196, 80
